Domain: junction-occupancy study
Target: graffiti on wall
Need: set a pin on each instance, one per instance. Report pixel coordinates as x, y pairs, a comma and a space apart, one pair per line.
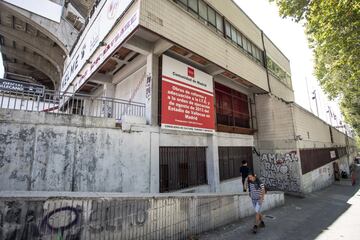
19, 221
280, 171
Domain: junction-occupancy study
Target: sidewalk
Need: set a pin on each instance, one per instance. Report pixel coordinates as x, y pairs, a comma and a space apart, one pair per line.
332, 213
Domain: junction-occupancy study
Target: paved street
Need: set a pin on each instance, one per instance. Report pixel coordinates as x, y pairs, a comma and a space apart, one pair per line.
332, 213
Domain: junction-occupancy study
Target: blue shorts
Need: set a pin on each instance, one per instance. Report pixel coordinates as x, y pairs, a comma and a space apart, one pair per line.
257, 205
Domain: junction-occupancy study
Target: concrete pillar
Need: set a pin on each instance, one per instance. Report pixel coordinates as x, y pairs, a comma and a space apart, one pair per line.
212, 163
151, 88
108, 108
154, 162
109, 90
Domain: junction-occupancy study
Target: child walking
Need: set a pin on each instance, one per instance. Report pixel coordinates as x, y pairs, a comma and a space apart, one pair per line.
257, 194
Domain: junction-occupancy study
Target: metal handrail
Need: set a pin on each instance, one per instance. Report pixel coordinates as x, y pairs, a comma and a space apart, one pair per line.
71, 103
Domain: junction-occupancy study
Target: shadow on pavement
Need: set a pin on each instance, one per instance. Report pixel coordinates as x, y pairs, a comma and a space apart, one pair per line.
299, 218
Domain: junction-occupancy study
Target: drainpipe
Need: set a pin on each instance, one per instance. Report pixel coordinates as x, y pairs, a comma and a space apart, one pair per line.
265, 61
292, 110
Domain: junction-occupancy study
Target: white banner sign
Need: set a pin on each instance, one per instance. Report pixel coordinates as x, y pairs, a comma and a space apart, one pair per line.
114, 40
43, 8
98, 29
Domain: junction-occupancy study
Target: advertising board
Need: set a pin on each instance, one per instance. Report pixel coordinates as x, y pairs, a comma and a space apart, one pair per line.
94, 36
187, 98
23, 87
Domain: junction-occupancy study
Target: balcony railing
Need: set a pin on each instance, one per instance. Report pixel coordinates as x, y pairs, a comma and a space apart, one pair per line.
70, 103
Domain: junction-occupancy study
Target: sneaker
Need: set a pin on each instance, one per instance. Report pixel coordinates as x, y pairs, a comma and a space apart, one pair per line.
262, 224
254, 229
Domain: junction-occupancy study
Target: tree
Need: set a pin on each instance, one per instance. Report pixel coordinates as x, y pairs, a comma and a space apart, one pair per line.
333, 31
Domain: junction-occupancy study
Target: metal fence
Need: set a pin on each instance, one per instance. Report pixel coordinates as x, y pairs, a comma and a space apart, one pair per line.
107, 216
70, 103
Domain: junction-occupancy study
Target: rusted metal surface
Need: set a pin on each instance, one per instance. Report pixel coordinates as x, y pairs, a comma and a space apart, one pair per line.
317, 157
182, 167
230, 159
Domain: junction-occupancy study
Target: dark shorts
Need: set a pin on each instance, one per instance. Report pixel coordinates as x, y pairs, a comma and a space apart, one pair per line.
243, 180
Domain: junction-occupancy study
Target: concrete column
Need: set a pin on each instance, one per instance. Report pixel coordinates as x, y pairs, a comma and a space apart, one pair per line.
108, 107
154, 162
212, 163
151, 88
109, 90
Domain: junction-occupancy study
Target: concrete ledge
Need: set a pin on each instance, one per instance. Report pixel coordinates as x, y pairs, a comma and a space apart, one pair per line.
84, 215
40, 195
28, 117
344, 182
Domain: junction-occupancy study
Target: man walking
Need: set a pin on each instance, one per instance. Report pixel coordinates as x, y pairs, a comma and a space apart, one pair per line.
353, 173
244, 172
257, 194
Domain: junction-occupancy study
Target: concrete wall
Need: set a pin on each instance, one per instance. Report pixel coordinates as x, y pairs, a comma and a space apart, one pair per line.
283, 130
113, 216
275, 123
339, 137
279, 89
51, 152
46, 152
231, 185
279, 169
314, 132
323, 176
277, 163
318, 178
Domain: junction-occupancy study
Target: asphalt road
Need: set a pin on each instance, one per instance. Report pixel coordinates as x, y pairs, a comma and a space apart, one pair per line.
332, 213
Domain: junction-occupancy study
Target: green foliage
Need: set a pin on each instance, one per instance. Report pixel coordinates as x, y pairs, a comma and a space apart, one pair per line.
333, 30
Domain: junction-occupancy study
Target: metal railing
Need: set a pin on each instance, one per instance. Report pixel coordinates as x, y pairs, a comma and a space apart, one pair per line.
70, 103
129, 216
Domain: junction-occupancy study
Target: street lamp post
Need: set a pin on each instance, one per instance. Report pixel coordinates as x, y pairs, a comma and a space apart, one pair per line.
316, 103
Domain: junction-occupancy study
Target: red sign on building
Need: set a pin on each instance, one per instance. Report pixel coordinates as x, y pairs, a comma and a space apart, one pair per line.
187, 98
